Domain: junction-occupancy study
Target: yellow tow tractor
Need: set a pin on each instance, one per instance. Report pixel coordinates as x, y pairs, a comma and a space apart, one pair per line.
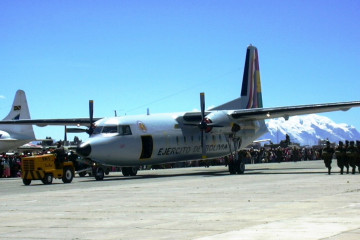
45, 168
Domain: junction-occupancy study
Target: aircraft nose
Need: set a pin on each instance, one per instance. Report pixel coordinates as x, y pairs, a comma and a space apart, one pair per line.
84, 150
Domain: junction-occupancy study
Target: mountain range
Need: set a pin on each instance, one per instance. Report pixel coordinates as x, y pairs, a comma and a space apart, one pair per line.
309, 129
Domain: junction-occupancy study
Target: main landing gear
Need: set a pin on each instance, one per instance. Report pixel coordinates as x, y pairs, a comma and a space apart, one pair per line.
129, 171
236, 167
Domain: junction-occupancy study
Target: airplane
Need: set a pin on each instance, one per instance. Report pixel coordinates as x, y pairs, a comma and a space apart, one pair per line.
132, 141
14, 136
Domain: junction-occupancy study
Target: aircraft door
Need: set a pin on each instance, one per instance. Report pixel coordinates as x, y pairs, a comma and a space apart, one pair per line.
147, 146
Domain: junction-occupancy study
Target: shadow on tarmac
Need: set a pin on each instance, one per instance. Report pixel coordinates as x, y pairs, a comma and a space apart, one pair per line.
216, 173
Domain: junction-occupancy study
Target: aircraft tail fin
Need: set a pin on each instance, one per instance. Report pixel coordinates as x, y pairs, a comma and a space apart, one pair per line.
19, 110
251, 96
251, 86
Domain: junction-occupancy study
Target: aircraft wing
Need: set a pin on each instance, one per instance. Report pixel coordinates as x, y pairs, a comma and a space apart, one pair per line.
54, 122
286, 112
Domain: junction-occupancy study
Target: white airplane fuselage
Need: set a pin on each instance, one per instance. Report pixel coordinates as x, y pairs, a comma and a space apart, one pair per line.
11, 142
161, 138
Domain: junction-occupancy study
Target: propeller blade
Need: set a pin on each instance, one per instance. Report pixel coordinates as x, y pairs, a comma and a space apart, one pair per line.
76, 130
203, 146
65, 135
91, 113
203, 124
214, 125
202, 105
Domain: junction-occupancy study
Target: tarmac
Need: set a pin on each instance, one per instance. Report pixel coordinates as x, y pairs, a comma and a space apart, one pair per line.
270, 201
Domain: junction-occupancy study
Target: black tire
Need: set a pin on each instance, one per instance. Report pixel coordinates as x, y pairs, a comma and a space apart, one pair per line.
99, 174
125, 171
26, 182
240, 167
232, 168
68, 175
133, 171
82, 174
47, 179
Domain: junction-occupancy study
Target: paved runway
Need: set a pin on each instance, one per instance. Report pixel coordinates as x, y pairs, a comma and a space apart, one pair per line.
270, 201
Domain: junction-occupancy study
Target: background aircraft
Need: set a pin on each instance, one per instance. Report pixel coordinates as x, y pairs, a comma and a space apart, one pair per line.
132, 141
14, 136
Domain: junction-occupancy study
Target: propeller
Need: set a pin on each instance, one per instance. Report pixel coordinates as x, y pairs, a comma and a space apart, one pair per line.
203, 124
91, 113
90, 130
65, 134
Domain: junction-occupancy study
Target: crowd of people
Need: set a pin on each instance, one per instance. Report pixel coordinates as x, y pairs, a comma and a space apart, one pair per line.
10, 165
280, 154
347, 155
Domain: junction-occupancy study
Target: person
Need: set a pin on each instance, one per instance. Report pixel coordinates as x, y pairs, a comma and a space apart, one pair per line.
340, 154
327, 155
351, 154
358, 155
1, 165
60, 154
279, 154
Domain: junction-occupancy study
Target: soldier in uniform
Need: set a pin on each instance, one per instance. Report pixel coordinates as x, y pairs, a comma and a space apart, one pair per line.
346, 159
327, 155
351, 154
358, 154
340, 153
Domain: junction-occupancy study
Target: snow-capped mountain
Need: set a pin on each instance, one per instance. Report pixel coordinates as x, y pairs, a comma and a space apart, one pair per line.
309, 129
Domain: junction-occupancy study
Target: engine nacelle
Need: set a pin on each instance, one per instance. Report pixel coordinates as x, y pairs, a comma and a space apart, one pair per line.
218, 121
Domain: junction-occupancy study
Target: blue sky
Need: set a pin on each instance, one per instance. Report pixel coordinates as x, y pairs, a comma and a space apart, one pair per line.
132, 55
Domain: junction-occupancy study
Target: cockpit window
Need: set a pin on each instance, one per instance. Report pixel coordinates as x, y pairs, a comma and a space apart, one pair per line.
98, 129
109, 129
124, 130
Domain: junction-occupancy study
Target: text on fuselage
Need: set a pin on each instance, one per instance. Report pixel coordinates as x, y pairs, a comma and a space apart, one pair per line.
194, 149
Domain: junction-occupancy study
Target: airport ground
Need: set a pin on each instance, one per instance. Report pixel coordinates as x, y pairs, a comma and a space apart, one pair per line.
270, 201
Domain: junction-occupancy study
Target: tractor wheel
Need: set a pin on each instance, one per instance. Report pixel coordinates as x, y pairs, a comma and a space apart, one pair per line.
68, 175
47, 179
26, 181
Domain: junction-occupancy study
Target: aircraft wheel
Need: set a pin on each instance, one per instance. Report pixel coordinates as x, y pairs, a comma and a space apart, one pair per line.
232, 167
68, 175
47, 179
240, 168
26, 182
133, 171
99, 174
82, 174
125, 171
